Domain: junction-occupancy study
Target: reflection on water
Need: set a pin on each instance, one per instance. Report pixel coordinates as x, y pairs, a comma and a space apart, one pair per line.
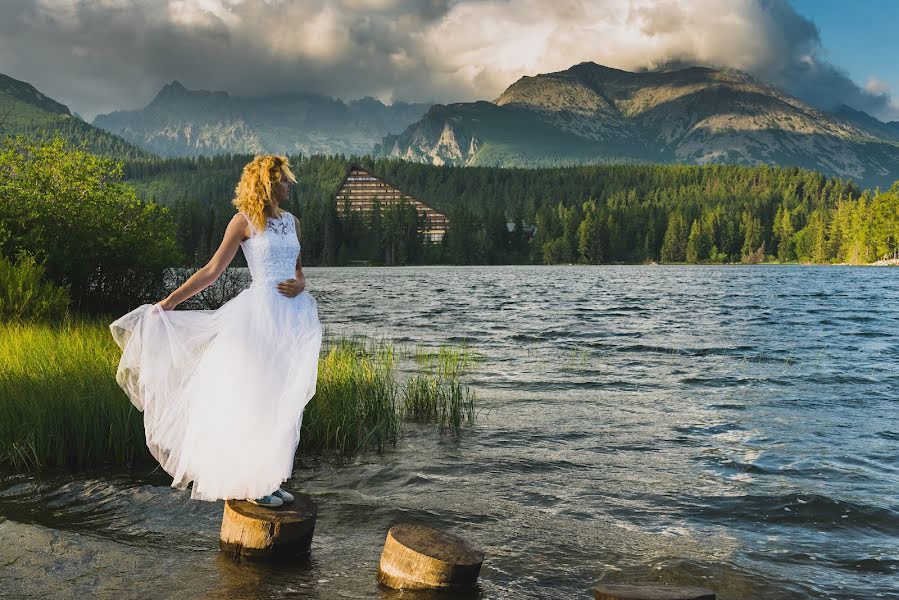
730, 427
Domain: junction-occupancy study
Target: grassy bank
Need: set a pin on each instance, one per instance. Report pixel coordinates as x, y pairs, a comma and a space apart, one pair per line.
61, 406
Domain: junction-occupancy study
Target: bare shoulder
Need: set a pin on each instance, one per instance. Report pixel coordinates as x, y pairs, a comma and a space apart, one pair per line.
239, 220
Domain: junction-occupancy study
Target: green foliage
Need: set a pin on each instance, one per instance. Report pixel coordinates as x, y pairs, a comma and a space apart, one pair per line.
588, 214
753, 244
25, 295
437, 395
60, 404
355, 404
71, 210
674, 246
590, 235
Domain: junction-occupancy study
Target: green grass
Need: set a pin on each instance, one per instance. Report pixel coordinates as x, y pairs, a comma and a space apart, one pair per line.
354, 407
59, 401
61, 406
437, 394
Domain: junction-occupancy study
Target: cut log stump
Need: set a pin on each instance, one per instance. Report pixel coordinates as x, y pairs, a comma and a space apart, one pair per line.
651, 592
251, 531
417, 557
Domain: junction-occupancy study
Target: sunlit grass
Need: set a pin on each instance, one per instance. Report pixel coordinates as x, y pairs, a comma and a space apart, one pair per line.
354, 407
59, 401
61, 406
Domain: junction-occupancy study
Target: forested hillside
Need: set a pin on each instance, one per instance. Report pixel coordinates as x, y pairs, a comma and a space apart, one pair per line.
590, 214
26, 111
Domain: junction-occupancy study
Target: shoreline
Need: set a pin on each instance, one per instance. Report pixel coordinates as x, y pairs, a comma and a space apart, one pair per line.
612, 264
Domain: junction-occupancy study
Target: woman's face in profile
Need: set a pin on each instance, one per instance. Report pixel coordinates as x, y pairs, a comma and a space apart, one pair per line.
281, 189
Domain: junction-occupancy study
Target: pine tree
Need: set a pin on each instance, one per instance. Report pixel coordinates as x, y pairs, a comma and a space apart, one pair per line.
674, 246
698, 244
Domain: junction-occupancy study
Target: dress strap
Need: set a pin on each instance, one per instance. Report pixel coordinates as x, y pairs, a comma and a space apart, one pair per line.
247, 219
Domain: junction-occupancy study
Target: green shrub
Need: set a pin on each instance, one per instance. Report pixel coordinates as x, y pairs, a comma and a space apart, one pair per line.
70, 209
24, 293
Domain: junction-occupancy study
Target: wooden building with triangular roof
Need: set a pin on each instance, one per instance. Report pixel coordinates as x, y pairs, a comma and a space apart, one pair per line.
360, 188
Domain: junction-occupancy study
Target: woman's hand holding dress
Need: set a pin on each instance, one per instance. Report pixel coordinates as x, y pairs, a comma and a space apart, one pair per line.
292, 287
166, 304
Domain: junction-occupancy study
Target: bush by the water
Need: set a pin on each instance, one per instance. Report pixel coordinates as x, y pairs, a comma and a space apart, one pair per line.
25, 295
70, 210
61, 406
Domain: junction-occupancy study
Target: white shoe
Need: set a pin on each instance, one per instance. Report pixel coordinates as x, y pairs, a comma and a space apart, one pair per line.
268, 501
283, 495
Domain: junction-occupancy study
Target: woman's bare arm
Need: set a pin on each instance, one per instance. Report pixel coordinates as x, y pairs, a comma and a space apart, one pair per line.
236, 231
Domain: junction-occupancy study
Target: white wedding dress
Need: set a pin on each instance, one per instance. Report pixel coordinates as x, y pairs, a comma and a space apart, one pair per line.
223, 391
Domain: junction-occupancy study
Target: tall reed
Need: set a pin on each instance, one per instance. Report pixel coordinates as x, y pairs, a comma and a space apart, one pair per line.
59, 401
437, 394
61, 406
355, 403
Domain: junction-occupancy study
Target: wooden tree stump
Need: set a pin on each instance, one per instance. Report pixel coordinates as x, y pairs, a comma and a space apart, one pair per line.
651, 592
417, 557
255, 531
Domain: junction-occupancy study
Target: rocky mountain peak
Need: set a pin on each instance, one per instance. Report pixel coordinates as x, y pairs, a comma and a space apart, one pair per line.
176, 94
686, 114
180, 121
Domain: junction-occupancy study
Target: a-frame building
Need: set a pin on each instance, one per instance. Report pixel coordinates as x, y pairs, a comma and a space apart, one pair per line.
359, 189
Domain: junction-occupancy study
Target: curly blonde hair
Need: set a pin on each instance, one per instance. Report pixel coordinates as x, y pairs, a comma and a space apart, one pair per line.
254, 190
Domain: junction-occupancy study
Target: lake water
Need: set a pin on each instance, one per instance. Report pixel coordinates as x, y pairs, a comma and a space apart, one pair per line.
730, 427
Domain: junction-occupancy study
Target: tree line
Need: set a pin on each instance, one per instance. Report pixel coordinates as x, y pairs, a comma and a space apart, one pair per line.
587, 214
106, 231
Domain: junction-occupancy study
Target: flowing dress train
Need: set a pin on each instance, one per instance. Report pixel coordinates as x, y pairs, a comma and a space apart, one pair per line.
223, 391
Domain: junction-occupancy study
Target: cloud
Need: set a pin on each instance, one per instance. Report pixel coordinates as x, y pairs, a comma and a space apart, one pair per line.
487, 45
102, 55
876, 86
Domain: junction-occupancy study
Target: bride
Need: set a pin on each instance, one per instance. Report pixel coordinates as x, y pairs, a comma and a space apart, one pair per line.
223, 391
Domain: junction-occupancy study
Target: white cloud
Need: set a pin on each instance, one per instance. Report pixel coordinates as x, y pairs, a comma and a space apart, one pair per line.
876, 86
418, 50
201, 13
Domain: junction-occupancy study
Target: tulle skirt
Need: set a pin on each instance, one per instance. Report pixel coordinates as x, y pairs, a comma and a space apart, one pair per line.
223, 391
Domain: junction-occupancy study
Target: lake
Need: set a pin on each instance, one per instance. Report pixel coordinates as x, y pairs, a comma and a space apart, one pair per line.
734, 427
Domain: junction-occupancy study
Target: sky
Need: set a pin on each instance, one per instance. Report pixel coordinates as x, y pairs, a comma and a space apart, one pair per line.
862, 41
97, 56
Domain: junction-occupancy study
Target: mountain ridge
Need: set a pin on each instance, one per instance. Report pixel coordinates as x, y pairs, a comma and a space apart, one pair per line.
24, 110
694, 115
184, 122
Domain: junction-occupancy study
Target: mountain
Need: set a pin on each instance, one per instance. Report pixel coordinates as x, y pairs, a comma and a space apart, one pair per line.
24, 110
591, 113
183, 122
866, 122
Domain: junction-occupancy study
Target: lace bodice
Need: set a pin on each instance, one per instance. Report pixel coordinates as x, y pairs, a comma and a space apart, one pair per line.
272, 253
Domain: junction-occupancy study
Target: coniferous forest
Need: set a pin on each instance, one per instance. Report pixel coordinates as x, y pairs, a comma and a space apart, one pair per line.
588, 214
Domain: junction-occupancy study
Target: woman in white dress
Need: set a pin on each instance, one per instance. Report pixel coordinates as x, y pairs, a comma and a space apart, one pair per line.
223, 391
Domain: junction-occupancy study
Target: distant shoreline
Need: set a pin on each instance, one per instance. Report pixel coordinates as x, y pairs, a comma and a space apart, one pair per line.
892, 263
